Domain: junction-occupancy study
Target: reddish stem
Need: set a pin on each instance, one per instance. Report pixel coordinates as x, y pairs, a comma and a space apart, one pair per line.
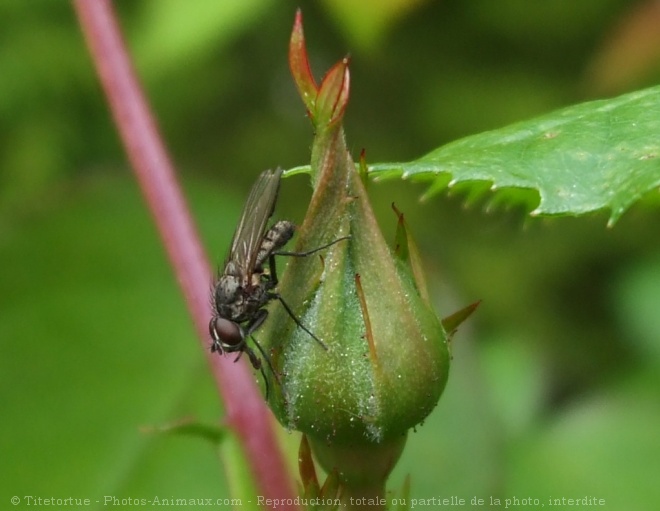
246, 412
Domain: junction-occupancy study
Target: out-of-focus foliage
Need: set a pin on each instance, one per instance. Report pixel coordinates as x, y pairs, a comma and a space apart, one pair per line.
552, 391
630, 53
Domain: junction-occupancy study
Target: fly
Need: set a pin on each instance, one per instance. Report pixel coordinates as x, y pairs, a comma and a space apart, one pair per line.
245, 287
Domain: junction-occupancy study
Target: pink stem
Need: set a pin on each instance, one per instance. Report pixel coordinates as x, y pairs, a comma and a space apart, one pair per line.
246, 412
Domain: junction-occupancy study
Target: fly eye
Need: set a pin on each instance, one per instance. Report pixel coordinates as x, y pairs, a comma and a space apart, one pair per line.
226, 332
212, 331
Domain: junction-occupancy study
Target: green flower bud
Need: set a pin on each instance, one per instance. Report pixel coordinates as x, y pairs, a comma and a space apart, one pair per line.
387, 356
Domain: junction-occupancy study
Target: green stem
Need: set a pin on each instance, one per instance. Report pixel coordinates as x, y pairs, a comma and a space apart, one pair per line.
363, 469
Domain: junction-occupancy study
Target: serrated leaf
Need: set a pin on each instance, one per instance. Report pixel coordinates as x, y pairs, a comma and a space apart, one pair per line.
597, 155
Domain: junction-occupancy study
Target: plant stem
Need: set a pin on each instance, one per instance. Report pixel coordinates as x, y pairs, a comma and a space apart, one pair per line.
246, 412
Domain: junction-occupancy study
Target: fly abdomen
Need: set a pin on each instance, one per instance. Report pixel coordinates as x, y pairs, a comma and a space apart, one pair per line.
274, 239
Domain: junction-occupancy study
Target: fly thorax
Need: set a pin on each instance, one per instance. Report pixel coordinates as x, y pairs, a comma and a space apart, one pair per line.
227, 291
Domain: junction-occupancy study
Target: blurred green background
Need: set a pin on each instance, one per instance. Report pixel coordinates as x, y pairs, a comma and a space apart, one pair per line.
555, 388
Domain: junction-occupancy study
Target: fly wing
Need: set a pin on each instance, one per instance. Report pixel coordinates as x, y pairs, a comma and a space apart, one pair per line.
251, 228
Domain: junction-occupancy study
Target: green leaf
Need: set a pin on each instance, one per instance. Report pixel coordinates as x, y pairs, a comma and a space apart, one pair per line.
596, 155
169, 36
189, 427
239, 476
91, 312
367, 23
603, 446
404, 499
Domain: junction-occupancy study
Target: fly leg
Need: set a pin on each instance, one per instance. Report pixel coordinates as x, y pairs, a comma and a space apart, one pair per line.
256, 321
297, 321
310, 252
253, 326
272, 282
256, 363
